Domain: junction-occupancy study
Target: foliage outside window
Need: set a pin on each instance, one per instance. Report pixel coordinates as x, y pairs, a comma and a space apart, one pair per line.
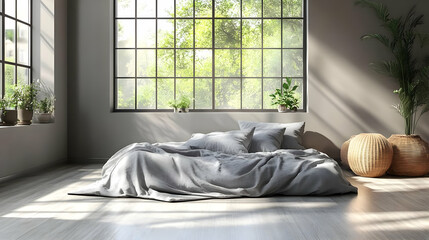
223, 54
15, 39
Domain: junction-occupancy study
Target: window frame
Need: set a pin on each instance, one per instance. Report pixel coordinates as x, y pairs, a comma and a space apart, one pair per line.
304, 77
3, 61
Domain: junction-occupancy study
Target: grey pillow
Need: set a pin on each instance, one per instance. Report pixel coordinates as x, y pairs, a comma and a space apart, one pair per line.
232, 142
292, 138
267, 140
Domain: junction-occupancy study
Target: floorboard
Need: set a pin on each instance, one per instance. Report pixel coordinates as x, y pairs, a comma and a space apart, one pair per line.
38, 207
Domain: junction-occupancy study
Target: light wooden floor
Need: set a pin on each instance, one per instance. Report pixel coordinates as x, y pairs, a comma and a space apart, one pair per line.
38, 207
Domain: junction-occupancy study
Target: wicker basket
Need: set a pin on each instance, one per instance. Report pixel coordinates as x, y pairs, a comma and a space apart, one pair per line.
410, 156
344, 151
369, 155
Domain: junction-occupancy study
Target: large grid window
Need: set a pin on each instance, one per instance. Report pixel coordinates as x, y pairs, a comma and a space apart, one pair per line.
226, 55
15, 39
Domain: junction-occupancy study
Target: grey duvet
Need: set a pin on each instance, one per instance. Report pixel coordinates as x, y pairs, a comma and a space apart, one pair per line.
175, 173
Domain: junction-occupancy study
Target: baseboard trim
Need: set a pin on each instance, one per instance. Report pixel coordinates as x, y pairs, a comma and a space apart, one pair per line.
31, 171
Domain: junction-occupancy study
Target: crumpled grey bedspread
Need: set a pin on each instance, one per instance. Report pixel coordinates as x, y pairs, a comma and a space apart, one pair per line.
169, 172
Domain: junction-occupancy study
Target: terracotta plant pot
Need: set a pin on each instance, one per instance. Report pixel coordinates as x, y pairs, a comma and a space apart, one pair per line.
410, 155
9, 117
44, 117
24, 117
369, 155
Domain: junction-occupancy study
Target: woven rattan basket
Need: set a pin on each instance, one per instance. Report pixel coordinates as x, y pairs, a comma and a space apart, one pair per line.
369, 155
410, 155
344, 151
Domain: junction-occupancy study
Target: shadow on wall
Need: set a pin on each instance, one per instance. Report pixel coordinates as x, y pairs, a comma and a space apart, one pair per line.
321, 143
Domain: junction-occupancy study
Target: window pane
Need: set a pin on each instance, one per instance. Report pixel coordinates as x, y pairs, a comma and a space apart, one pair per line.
23, 44
23, 76
126, 93
252, 34
146, 63
270, 85
227, 33
146, 8
125, 30
1, 38
227, 63
292, 63
252, 8
251, 95
9, 79
165, 63
184, 8
227, 8
272, 33
184, 63
203, 8
299, 93
252, 63
203, 63
292, 33
23, 10
165, 92
146, 93
203, 93
292, 8
146, 31
166, 8
184, 33
272, 8
9, 7
165, 33
272, 63
125, 8
227, 93
1, 79
9, 40
125, 63
185, 88
203, 33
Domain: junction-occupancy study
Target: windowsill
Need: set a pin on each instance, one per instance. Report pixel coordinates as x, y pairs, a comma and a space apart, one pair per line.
21, 126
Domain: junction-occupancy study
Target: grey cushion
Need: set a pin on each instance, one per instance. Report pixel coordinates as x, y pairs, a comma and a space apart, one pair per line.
267, 140
232, 142
292, 138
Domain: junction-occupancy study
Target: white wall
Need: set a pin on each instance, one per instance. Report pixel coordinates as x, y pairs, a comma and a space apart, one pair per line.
345, 96
25, 148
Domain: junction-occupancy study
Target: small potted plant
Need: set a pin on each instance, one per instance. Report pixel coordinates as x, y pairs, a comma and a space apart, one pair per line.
45, 108
286, 99
26, 96
8, 112
181, 105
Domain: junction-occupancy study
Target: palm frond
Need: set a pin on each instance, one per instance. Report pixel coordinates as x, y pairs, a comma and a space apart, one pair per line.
383, 39
380, 9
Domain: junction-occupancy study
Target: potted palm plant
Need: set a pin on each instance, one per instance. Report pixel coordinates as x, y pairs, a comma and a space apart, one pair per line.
410, 156
45, 108
26, 96
285, 98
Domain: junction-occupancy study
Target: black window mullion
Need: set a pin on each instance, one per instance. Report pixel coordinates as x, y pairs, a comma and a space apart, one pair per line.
156, 54
175, 59
262, 53
16, 42
213, 56
135, 56
193, 44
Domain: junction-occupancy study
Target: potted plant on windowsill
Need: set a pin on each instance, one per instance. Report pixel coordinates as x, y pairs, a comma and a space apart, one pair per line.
410, 152
8, 112
285, 98
45, 108
181, 105
26, 96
